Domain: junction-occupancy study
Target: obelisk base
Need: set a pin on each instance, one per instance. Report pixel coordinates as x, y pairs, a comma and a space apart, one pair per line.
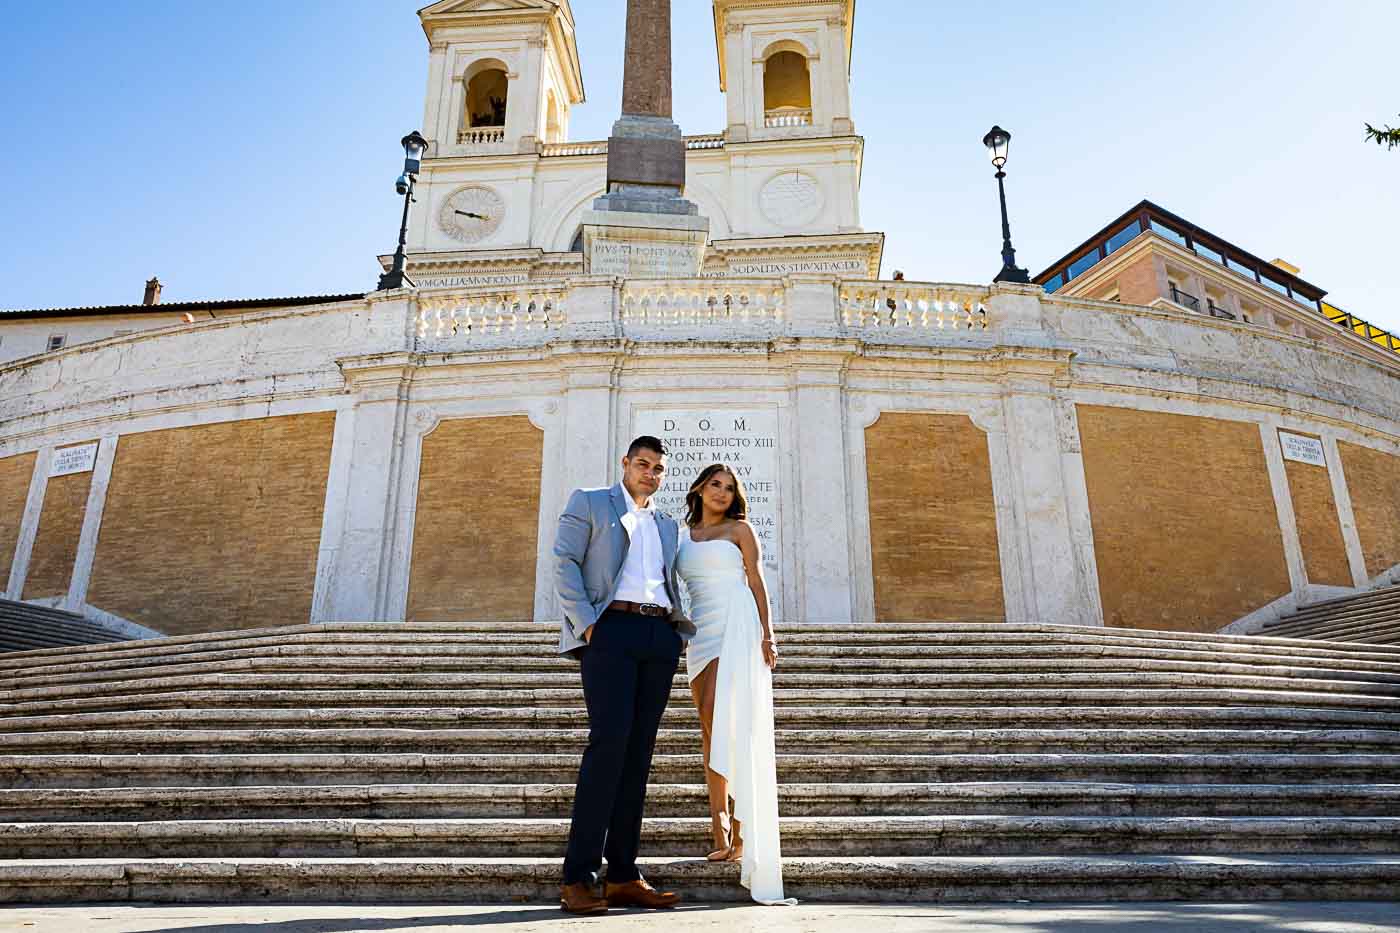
644, 245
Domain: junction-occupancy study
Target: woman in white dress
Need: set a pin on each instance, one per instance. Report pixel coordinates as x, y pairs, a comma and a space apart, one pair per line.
730, 665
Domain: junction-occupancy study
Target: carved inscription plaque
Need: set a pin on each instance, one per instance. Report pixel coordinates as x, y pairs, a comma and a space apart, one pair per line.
744, 440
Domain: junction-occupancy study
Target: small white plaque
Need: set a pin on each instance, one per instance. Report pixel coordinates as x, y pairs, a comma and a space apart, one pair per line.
1302, 449
69, 460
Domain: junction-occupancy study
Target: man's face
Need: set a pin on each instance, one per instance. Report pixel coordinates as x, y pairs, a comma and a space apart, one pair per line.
642, 472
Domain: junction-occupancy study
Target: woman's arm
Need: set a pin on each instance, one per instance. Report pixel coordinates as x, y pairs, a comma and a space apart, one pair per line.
753, 569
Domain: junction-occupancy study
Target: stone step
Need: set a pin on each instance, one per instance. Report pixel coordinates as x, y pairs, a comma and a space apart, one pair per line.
1389, 595
675, 741
1382, 614
686, 716
476, 656
850, 878
544, 636
784, 680
881, 699
1360, 630
309, 769
521, 801
1379, 614
674, 837
896, 668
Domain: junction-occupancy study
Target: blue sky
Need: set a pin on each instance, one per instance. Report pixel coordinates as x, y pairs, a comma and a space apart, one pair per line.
249, 149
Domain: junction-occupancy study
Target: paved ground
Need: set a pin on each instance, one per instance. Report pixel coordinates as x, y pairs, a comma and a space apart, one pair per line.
1334, 917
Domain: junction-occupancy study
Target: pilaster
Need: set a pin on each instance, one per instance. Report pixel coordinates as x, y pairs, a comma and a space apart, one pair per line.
380, 386
29, 524
826, 578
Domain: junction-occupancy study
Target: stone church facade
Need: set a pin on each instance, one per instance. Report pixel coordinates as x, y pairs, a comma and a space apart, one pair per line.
915, 450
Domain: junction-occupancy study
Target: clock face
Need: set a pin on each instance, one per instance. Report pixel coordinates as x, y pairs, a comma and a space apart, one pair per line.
472, 213
791, 199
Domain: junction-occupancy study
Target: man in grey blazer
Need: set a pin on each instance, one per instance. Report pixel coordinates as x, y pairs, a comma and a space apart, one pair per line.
616, 575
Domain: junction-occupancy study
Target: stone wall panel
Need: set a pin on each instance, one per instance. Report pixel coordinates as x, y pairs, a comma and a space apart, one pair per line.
1319, 526
56, 544
15, 476
476, 531
1186, 533
933, 529
215, 527
1373, 479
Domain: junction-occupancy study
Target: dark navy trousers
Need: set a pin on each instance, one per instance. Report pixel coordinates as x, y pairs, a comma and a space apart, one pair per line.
628, 669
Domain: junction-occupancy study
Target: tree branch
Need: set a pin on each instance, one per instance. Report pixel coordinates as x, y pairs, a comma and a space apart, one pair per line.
1388, 136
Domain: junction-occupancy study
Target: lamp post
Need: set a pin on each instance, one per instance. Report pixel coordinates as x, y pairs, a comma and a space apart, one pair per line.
998, 142
414, 145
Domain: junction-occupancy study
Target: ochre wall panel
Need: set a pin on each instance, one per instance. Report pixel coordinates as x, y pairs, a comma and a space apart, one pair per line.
1186, 532
1373, 479
933, 527
215, 527
15, 476
56, 544
1319, 526
476, 525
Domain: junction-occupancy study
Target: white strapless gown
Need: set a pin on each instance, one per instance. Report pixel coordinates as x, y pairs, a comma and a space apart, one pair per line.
741, 743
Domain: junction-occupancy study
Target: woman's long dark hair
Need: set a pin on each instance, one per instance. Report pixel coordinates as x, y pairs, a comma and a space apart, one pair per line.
695, 509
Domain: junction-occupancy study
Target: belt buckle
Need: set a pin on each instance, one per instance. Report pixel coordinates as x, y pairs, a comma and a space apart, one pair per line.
653, 609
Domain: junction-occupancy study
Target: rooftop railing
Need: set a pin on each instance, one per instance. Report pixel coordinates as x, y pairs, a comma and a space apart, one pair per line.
1381, 338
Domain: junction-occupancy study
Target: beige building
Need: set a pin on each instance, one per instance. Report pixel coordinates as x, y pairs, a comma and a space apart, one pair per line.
1171, 434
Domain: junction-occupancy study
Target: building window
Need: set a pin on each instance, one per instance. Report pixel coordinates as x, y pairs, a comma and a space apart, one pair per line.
1305, 301
1055, 284
1208, 253
1123, 237
1241, 268
1276, 286
57, 341
1084, 263
1168, 232
787, 90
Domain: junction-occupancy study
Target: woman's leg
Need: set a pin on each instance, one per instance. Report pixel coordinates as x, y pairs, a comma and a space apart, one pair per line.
702, 689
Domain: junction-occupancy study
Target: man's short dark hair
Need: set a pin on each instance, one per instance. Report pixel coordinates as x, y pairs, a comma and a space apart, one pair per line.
646, 442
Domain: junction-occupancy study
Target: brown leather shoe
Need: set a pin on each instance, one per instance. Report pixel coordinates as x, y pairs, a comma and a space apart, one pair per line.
581, 898
639, 894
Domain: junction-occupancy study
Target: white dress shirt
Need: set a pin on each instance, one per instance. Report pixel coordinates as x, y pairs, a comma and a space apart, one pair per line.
643, 577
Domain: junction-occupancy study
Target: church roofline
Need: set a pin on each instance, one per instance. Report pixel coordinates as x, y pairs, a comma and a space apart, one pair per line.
245, 304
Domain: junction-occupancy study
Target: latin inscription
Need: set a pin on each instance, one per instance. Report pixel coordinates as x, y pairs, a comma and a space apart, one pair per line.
847, 267
643, 260
474, 281
69, 460
1302, 449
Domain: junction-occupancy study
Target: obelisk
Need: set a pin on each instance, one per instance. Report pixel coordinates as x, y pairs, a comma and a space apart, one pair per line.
643, 227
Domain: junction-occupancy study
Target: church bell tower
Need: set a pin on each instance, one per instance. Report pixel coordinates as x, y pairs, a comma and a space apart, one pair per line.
785, 67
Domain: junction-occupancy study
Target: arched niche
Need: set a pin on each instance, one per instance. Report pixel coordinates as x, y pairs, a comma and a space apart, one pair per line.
787, 85
487, 92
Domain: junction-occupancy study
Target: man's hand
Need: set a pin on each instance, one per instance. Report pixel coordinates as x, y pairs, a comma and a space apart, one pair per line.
588, 635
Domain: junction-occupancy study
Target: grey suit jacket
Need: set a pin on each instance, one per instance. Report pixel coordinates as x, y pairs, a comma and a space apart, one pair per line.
589, 551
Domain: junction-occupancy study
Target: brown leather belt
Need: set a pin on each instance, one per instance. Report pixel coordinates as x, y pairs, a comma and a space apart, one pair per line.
641, 609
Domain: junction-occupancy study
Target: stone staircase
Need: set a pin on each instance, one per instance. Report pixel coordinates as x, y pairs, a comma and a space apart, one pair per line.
955, 762
1372, 618
26, 627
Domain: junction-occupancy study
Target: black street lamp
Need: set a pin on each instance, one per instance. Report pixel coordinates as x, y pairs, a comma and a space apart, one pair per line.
998, 142
414, 145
